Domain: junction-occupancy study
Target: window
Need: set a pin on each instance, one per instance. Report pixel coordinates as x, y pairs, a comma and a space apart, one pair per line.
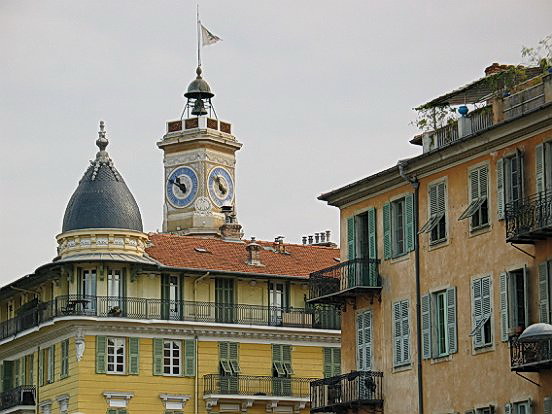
401, 333
224, 300
439, 332
481, 312
64, 370
171, 294
543, 181
115, 289
362, 244
521, 407
478, 208
514, 315
63, 402
278, 298
485, 410
545, 291
115, 355
281, 369
509, 172
364, 341
48, 365
172, 357
332, 362
547, 403
398, 227
437, 223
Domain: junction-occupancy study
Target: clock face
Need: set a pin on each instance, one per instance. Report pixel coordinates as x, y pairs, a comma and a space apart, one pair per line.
181, 186
221, 186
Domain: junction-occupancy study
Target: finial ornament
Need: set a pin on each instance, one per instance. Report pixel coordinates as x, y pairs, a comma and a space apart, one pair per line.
198, 72
102, 141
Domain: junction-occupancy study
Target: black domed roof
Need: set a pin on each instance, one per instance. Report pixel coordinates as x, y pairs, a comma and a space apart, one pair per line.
102, 199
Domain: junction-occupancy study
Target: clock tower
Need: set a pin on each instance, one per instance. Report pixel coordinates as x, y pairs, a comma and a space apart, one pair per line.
199, 162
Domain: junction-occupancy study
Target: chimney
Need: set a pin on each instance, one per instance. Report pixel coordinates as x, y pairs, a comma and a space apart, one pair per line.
310, 239
254, 253
231, 229
304, 239
316, 238
328, 236
322, 237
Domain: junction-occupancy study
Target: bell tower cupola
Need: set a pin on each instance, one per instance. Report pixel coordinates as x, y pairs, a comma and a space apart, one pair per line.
199, 166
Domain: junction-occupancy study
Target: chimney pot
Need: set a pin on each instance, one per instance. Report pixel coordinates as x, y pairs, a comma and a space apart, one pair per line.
328, 236
317, 238
304, 239
310, 239
254, 253
322, 237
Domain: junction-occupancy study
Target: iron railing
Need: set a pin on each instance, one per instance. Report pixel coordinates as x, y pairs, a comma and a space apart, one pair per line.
351, 274
478, 120
18, 396
530, 356
524, 101
353, 389
256, 385
141, 308
530, 218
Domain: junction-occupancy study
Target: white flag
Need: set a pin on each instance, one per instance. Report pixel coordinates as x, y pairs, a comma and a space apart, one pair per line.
207, 37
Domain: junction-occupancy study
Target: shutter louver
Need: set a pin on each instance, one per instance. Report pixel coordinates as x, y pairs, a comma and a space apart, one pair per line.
23, 371
327, 362
360, 341
526, 294
544, 301
397, 328
500, 188
539, 165
451, 320
368, 340
190, 358
351, 239
387, 231
157, 356
477, 310
372, 244
409, 222
405, 332
134, 355
100, 354
504, 318
426, 327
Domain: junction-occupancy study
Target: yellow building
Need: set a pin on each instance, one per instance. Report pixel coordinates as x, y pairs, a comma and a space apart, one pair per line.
446, 259
193, 320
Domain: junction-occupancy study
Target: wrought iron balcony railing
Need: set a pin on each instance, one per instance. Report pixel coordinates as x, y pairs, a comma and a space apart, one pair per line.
256, 385
24, 395
530, 219
530, 356
320, 317
349, 278
358, 388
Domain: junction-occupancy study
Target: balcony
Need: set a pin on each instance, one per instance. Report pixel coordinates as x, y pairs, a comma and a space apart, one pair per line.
358, 389
348, 279
239, 392
321, 317
529, 220
530, 356
18, 400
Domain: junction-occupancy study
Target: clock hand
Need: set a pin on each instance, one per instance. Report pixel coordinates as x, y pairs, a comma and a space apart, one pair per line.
222, 187
180, 185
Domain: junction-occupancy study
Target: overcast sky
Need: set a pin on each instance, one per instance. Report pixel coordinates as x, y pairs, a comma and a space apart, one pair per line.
319, 93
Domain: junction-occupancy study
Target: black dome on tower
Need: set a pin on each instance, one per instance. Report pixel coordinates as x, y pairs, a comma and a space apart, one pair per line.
102, 199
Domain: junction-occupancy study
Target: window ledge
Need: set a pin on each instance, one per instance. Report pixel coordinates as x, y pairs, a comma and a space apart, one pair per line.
401, 258
438, 360
407, 366
439, 245
483, 349
480, 230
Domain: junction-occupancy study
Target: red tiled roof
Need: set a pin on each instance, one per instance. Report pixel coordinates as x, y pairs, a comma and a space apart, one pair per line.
181, 252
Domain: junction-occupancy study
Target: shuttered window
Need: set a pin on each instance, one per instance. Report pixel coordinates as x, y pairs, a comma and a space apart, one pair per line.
116, 355
133, 356
401, 333
49, 363
398, 227
544, 276
514, 302
332, 362
229, 358
173, 357
351, 238
510, 182
64, 368
364, 340
478, 208
481, 312
437, 222
439, 326
281, 360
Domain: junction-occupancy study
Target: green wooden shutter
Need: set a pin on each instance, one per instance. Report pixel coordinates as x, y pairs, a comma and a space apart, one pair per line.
451, 320
64, 369
544, 301
336, 361
409, 222
31, 369
504, 311
327, 361
165, 297
397, 329
426, 326
112, 411
134, 356
40, 358
157, 356
477, 312
233, 357
52, 364
100, 354
539, 165
521, 176
500, 188
372, 245
189, 369
23, 376
387, 231
7, 377
351, 239
486, 297
364, 340
17, 373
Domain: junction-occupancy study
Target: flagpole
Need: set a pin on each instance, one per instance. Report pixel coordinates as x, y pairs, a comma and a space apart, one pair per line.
198, 37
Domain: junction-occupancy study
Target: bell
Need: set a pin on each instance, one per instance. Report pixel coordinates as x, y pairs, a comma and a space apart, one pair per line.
199, 108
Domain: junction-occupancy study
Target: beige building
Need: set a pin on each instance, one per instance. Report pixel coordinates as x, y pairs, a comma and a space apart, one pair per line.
446, 259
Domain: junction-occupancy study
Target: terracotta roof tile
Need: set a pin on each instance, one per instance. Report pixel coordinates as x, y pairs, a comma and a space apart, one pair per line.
187, 252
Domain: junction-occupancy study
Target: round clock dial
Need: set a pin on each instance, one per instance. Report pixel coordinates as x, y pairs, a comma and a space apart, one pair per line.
181, 186
221, 186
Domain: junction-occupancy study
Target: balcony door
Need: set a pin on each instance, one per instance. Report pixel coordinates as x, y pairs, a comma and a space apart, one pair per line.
171, 297
115, 292
87, 300
277, 298
224, 300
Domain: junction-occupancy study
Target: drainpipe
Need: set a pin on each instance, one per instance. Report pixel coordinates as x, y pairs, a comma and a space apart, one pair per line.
196, 377
416, 185
37, 395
